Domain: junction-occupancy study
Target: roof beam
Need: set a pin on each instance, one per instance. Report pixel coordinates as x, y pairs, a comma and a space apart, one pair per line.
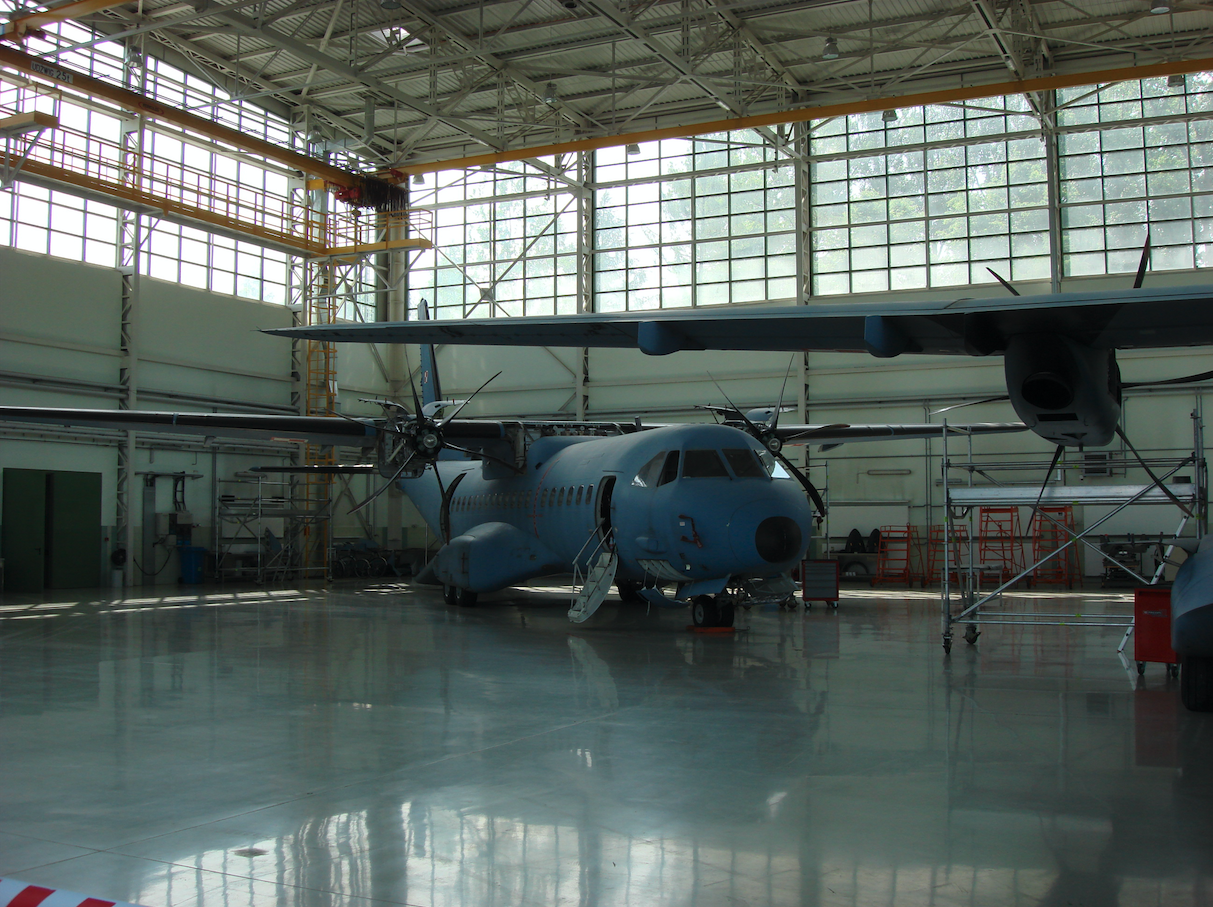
18, 26
301, 50
804, 114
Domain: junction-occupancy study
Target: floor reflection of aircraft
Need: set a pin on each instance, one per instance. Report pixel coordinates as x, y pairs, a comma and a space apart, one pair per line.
1059, 360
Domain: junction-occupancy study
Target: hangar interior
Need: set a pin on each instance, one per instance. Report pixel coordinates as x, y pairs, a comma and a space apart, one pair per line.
282, 718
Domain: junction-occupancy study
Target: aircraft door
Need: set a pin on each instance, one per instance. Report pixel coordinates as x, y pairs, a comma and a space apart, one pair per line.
602, 509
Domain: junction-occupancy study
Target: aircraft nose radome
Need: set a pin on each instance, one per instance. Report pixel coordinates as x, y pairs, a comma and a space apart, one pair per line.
761, 538
777, 539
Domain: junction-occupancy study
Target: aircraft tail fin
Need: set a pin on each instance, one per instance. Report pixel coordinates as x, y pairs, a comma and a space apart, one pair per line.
431, 388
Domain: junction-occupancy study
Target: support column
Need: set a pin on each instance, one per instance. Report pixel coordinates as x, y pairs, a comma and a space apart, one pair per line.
320, 391
804, 221
1048, 125
585, 271
397, 309
130, 245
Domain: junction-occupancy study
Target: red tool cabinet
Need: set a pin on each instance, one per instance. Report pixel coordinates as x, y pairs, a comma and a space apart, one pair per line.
1152, 629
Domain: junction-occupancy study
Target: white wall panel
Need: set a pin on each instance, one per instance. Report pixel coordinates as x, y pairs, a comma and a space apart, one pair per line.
211, 345
59, 300
58, 318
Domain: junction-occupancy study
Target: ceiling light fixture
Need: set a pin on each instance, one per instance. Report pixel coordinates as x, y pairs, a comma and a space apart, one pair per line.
390, 4
889, 116
1158, 7
1175, 81
830, 51
549, 93
418, 179
632, 148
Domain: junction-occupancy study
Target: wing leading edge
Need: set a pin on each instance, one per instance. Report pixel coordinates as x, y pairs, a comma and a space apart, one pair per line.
1125, 319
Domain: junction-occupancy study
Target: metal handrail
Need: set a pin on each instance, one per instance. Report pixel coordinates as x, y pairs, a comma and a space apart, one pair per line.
603, 539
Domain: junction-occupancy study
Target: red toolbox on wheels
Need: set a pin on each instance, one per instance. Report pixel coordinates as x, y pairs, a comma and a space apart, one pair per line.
1152, 629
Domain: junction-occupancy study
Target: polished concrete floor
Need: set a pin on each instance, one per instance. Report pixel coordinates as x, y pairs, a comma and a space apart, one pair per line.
359, 745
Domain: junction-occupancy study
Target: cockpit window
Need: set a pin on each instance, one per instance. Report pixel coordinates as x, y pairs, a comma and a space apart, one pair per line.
670, 472
703, 464
649, 472
745, 463
773, 467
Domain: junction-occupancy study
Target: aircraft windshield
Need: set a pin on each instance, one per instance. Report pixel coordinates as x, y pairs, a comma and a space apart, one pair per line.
745, 463
773, 467
650, 472
703, 464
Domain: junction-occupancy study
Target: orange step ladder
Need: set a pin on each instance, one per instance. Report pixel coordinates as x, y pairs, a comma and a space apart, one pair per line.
998, 549
1048, 535
936, 554
897, 556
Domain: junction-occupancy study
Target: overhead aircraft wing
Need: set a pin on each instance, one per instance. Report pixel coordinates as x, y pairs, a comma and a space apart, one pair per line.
320, 430
1120, 319
839, 434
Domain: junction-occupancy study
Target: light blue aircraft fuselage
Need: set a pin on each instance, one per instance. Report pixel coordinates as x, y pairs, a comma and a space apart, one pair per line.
686, 506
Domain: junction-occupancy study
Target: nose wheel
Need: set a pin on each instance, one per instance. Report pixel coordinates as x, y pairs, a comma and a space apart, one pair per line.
707, 612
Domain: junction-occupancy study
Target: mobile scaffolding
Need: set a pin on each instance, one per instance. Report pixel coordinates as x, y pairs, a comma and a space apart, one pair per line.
961, 600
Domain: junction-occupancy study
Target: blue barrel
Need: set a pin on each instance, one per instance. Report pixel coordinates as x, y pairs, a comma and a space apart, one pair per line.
193, 559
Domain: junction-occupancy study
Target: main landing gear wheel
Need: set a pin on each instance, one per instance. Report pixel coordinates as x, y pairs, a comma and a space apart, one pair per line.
465, 598
629, 591
448, 594
726, 616
704, 612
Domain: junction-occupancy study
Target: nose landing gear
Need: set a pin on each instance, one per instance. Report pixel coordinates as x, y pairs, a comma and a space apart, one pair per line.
706, 611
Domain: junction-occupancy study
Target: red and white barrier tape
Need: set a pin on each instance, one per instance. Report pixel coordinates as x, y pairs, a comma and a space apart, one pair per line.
22, 894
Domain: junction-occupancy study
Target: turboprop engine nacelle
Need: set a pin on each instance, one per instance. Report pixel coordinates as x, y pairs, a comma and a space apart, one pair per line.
1065, 392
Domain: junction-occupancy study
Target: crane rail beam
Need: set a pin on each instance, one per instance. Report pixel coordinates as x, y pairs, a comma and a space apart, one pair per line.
139, 104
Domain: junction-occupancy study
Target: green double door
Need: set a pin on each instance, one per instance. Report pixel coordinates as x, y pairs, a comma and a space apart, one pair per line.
51, 530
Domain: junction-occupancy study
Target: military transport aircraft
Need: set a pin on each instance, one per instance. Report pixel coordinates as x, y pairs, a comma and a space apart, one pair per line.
1059, 359
707, 514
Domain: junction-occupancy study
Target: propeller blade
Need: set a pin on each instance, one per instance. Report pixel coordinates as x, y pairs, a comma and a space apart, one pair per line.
341, 415
810, 490
1186, 379
744, 418
773, 422
386, 485
1153, 478
448, 495
464, 403
947, 409
412, 384
1141, 265
1001, 280
815, 431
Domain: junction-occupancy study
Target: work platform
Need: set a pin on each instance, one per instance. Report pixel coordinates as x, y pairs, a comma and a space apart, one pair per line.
962, 573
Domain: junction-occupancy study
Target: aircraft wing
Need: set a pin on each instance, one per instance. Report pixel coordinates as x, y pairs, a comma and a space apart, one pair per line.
320, 430
1120, 319
840, 434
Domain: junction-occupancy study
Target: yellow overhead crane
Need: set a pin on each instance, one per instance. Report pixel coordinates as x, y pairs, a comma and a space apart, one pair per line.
20, 25
167, 187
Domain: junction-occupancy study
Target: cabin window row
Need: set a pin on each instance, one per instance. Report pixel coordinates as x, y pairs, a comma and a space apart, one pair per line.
571, 495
